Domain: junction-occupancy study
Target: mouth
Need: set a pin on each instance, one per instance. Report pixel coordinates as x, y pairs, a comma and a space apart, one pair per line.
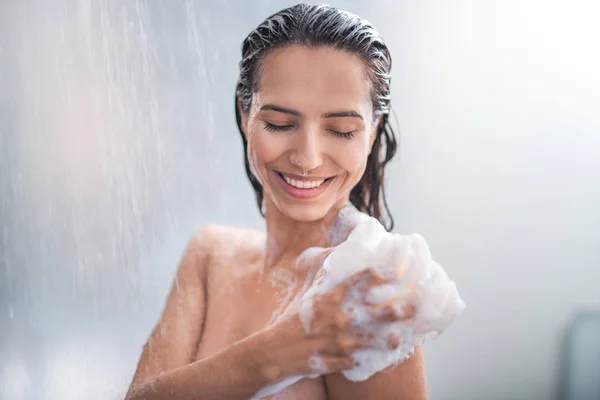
303, 187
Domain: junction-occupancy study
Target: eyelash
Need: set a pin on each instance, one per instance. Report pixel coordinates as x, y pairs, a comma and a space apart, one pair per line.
283, 128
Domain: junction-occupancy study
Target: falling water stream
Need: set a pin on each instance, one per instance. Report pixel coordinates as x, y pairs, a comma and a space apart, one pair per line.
113, 152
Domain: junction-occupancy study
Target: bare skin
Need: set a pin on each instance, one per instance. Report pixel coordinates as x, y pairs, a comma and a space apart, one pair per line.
238, 299
247, 298
231, 326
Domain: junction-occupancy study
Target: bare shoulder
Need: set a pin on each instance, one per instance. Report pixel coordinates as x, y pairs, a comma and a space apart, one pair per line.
220, 238
174, 340
227, 245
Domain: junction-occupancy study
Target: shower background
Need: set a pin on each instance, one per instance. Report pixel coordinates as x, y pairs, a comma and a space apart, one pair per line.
118, 142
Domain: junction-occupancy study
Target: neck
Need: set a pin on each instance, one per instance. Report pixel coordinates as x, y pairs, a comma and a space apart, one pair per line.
288, 238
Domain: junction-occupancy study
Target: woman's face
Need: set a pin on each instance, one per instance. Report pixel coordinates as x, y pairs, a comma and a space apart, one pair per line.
310, 129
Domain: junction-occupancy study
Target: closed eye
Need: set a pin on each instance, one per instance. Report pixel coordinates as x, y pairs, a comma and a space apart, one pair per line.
277, 128
280, 128
345, 135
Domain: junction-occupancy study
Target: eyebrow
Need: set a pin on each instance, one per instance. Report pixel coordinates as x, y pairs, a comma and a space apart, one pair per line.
337, 114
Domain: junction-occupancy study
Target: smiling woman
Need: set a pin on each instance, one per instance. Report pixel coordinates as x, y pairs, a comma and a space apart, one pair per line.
320, 68
311, 121
312, 105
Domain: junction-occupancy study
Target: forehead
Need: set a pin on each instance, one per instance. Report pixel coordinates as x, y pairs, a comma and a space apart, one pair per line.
314, 78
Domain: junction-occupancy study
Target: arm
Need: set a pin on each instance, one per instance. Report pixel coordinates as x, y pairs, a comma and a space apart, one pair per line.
233, 373
406, 381
167, 369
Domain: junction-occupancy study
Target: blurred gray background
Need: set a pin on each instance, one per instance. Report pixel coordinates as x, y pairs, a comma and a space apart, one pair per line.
118, 141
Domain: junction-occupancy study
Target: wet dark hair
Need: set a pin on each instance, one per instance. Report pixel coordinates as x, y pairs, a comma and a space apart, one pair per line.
317, 26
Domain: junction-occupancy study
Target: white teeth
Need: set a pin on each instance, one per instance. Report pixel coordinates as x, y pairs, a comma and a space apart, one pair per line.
303, 184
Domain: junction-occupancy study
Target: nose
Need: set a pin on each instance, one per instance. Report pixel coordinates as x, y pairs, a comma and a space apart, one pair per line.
306, 154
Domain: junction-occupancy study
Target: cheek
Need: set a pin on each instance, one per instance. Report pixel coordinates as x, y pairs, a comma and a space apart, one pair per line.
263, 149
353, 158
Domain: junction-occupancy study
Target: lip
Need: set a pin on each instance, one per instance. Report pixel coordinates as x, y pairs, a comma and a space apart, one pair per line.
304, 178
302, 193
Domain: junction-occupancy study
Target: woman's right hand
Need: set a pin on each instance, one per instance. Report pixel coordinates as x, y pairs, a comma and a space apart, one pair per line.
328, 345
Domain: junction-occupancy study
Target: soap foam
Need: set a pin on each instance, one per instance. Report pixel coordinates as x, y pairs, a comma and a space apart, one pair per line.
316, 364
420, 282
347, 218
361, 242
276, 387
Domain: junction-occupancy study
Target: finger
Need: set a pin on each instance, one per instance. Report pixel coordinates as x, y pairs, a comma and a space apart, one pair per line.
389, 294
336, 364
341, 320
316, 363
384, 313
346, 344
361, 335
409, 311
352, 342
337, 294
371, 276
393, 341
392, 313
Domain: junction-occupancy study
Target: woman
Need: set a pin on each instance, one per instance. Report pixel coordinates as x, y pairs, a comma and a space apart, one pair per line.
312, 106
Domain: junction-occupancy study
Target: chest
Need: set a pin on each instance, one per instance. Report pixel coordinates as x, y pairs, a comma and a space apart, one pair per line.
245, 306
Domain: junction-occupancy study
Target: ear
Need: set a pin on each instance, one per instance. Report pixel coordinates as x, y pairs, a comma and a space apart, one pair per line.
243, 118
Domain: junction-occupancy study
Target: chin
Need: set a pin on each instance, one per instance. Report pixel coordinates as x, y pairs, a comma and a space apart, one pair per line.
305, 212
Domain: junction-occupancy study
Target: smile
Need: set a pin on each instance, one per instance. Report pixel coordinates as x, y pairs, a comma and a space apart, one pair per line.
302, 187
302, 184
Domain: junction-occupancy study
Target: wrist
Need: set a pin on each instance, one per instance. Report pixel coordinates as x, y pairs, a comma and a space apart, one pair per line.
270, 353
257, 360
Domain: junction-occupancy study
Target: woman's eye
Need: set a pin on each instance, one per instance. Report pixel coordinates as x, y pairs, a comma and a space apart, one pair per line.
345, 135
272, 127
279, 128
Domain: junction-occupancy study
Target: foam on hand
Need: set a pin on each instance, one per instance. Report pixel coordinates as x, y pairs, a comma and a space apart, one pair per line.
361, 242
419, 282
